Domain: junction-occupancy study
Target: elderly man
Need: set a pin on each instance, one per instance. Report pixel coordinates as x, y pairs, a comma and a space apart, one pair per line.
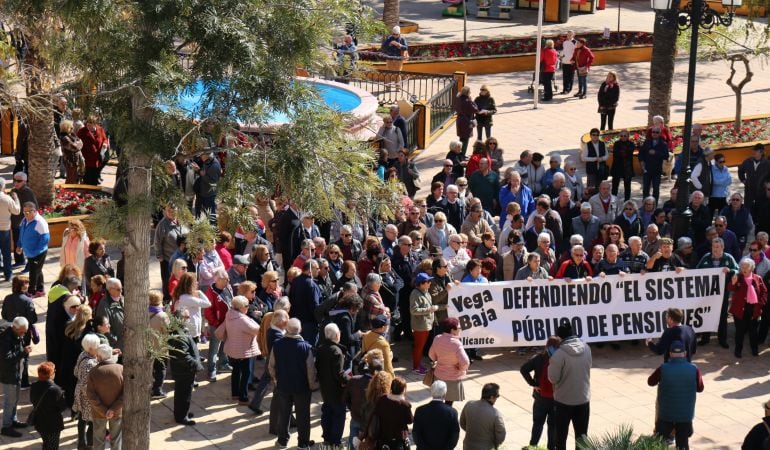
634, 257
474, 226
237, 272
9, 207
105, 394
404, 263
446, 176
686, 252
665, 260
604, 205
307, 229
532, 234
33, 242
514, 191
330, 363
111, 306
554, 163
24, 194
221, 297
587, 224
569, 370
652, 154
557, 182
292, 367
399, 122
412, 223
167, 232
732, 244
351, 248
391, 139
483, 424
453, 207
389, 238
12, 354
436, 415
485, 185
651, 241
748, 168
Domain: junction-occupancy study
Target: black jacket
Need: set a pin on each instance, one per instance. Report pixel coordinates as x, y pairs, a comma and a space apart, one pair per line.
608, 97
435, 426
55, 323
184, 357
533, 364
330, 363
48, 415
682, 333
20, 304
11, 355
756, 438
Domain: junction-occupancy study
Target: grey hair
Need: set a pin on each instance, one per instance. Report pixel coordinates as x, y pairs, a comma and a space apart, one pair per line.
104, 352
239, 302
20, 175
577, 247
586, 207
114, 282
393, 228
279, 317
90, 342
455, 145
542, 237
347, 228
332, 332
559, 176
749, 261
306, 243
220, 274
576, 239
283, 304
21, 322
718, 240
658, 119
404, 240
438, 390
373, 278
684, 242
633, 239
294, 327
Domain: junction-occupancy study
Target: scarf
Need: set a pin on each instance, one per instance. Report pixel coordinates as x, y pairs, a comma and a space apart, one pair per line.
608, 86
751, 292
155, 309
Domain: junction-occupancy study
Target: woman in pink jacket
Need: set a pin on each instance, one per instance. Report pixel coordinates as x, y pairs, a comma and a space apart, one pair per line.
451, 360
239, 331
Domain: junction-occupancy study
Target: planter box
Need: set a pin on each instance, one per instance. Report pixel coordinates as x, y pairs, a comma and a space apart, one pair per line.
56, 226
734, 154
758, 11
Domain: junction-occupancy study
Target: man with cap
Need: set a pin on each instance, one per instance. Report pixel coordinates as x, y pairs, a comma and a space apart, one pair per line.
237, 271
569, 370
678, 380
421, 308
376, 338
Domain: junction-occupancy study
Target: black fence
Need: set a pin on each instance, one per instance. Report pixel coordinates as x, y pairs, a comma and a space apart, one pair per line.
390, 86
442, 106
412, 130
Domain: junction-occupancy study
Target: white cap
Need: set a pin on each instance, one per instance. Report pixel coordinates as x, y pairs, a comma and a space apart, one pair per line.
396, 30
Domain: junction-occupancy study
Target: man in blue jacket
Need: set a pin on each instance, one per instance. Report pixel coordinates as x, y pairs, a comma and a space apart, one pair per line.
434, 416
652, 154
33, 241
678, 381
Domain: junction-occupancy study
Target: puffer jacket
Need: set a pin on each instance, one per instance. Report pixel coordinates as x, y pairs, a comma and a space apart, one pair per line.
451, 360
242, 334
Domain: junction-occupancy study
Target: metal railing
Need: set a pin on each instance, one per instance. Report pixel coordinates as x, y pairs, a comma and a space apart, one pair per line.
442, 106
412, 130
391, 86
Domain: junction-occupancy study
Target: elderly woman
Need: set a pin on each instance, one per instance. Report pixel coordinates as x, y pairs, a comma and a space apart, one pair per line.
421, 308
98, 263
48, 402
576, 267
451, 360
547, 255
438, 235
177, 269
373, 304
86, 361
259, 263
573, 181
629, 220
749, 296
495, 154
348, 275
240, 336
71, 145
270, 290
549, 59
487, 108
457, 156
188, 296
533, 270
466, 110
75, 244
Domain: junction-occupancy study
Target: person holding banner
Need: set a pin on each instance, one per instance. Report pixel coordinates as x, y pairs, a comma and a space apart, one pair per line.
516, 258
542, 392
718, 258
665, 260
421, 308
546, 253
749, 297
533, 270
577, 267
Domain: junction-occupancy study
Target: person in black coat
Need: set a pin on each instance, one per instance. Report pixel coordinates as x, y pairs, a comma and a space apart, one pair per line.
286, 221
18, 303
676, 331
759, 434
185, 362
12, 353
48, 402
56, 321
622, 164
609, 93
435, 424
331, 362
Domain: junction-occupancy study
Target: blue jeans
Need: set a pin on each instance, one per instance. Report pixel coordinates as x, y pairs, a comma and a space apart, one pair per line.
582, 84
216, 352
5, 252
487, 128
542, 411
10, 401
355, 428
333, 422
265, 382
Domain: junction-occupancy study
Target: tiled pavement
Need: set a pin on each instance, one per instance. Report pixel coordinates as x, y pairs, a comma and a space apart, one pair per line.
731, 402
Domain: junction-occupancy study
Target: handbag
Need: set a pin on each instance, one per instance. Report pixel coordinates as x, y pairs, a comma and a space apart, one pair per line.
32, 414
582, 71
430, 376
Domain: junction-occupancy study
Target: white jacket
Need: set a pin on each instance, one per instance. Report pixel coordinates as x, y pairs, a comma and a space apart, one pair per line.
9, 206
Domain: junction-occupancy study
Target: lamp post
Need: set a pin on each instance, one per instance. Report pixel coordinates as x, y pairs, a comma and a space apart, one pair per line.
695, 15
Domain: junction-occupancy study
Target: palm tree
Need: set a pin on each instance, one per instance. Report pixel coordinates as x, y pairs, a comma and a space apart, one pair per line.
622, 438
662, 66
391, 13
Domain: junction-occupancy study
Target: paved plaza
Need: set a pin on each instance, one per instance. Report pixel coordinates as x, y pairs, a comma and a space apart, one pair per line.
734, 390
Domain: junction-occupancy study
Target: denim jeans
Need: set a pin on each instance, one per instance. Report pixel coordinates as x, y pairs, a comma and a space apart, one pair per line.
542, 411
10, 401
333, 422
217, 357
100, 433
5, 252
582, 84
486, 128
355, 428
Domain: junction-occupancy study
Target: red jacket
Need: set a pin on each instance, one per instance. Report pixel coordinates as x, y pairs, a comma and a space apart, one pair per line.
215, 314
549, 58
665, 134
739, 291
92, 145
583, 57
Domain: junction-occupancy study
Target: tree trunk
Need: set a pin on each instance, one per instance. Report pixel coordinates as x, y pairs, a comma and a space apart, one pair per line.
662, 68
137, 366
391, 13
42, 162
738, 88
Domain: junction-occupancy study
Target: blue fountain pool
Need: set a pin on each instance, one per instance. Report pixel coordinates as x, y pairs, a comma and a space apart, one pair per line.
337, 98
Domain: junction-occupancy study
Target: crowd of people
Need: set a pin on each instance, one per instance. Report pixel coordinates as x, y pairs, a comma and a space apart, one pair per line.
294, 305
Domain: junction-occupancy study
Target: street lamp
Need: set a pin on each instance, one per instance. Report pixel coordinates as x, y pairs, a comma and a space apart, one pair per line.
695, 15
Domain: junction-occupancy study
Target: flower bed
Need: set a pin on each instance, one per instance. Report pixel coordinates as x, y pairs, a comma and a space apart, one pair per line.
510, 55
513, 46
72, 201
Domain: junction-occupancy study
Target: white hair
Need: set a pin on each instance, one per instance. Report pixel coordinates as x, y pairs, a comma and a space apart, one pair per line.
114, 283
294, 327
346, 228
635, 239
103, 352
559, 176
21, 322
332, 332
543, 237
282, 304
577, 247
239, 302
90, 342
586, 207
576, 239
438, 390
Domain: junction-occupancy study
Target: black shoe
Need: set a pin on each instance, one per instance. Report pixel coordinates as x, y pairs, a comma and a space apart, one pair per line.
704, 341
724, 344
395, 359
754, 353
158, 395
738, 354
281, 444
578, 94
10, 432
186, 422
256, 411
252, 386
189, 414
307, 445
19, 424
582, 97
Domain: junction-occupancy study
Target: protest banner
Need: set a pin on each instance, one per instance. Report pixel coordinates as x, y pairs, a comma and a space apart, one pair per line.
613, 308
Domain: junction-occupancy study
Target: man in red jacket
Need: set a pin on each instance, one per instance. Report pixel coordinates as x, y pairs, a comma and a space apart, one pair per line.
220, 295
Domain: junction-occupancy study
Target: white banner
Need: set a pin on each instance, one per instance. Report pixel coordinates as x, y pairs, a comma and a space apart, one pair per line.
614, 308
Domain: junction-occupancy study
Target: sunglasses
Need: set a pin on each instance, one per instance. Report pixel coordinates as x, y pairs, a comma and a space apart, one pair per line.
614, 233
334, 253
346, 235
628, 209
735, 199
448, 165
17, 181
594, 134
462, 185
439, 220
721, 161
754, 249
